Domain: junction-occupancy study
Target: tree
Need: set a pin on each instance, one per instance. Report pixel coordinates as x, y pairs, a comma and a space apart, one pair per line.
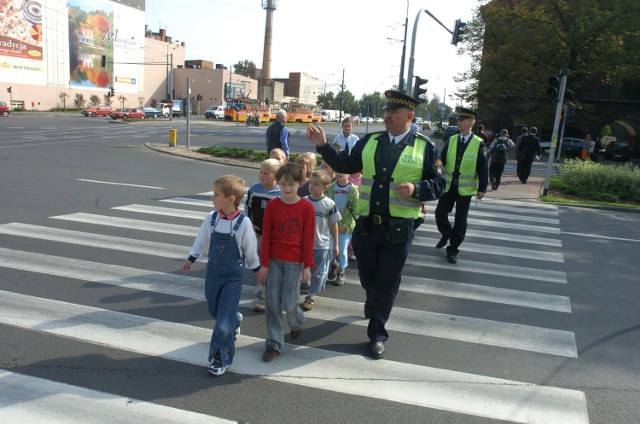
107, 99
371, 105
78, 101
94, 100
122, 99
246, 68
516, 46
63, 98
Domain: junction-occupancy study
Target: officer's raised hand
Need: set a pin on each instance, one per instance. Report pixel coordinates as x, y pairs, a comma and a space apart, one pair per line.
405, 190
316, 135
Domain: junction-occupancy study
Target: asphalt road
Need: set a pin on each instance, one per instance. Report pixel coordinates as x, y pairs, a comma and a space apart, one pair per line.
538, 321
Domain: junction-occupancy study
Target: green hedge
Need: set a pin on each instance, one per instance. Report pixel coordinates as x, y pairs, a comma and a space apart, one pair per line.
612, 183
250, 155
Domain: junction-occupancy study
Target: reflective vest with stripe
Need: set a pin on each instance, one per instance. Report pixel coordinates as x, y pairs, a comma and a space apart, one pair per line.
468, 177
408, 169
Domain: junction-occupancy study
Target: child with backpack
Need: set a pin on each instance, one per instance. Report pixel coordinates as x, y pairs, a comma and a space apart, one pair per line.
498, 153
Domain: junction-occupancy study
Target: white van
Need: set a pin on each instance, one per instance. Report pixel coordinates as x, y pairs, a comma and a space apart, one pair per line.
164, 109
215, 112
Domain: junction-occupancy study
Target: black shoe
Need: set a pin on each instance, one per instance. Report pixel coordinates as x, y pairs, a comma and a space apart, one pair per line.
442, 243
376, 350
367, 311
452, 258
493, 186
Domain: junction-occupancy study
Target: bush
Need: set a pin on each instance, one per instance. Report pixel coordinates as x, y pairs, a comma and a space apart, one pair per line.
599, 182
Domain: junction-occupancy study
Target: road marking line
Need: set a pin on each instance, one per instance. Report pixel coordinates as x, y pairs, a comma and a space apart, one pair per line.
26, 399
519, 238
428, 387
120, 184
453, 327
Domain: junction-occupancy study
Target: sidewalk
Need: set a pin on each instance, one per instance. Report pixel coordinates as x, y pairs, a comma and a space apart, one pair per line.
512, 189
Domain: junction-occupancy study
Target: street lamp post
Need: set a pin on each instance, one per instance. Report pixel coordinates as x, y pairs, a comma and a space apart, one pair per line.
404, 49
341, 95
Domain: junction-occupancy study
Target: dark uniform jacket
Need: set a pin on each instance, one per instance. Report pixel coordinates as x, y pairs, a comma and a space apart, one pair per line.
273, 136
386, 157
481, 163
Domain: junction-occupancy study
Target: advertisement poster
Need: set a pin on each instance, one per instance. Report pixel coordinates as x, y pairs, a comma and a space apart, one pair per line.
90, 28
21, 29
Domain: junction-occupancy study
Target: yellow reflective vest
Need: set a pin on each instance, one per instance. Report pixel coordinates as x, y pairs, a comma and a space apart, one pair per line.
468, 177
408, 169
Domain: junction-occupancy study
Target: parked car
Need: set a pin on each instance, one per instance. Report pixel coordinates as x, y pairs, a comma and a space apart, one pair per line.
545, 146
128, 113
618, 150
378, 121
572, 147
151, 112
4, 109
98, 111
165, 109
449, 131
214, 112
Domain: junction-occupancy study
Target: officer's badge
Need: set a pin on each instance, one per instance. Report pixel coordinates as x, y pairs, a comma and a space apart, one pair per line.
437, 167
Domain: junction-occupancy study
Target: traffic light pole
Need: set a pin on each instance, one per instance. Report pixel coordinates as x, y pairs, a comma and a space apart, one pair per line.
413, 46
564, 73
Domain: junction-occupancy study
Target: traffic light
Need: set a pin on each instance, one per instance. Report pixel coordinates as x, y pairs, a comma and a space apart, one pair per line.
417, 90
103, 61
571, 114
199, 97
9, 90
553, 88
112, 92
458, 32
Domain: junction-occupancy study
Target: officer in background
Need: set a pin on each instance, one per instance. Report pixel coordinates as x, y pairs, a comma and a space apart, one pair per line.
400, 170
464, 158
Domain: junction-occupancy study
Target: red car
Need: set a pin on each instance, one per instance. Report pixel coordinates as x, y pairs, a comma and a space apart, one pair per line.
128, 113
98, 111
4, 109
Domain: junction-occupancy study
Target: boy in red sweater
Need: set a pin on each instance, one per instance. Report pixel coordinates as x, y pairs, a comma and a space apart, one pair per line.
286, 255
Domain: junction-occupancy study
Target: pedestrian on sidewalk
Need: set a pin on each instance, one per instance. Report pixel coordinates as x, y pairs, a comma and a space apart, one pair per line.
229, 240
464, 158
526, 151
498, 151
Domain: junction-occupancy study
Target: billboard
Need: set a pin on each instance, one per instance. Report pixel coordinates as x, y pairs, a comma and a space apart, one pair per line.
100, 28
61, 43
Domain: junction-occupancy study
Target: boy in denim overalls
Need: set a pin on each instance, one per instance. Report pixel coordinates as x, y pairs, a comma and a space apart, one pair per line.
229, 239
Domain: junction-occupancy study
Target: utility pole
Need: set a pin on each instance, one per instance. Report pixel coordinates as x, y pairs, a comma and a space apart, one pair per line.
188, 109
564, 73
341, 96
170, 97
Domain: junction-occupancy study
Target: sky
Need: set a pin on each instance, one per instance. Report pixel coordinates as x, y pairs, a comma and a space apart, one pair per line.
323, 38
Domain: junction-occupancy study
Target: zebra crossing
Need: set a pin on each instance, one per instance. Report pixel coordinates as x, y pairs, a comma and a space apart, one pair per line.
512, 258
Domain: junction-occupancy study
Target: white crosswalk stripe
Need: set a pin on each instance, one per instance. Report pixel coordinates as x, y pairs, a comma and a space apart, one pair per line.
497, 229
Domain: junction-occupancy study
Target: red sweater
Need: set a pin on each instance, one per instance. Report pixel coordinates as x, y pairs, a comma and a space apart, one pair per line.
288, 232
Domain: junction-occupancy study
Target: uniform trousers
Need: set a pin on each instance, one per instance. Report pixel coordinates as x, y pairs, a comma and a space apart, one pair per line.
524, 168
454, 233
380, 266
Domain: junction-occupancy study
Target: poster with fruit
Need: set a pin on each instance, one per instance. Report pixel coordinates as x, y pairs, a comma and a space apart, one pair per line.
90, 37
21, 29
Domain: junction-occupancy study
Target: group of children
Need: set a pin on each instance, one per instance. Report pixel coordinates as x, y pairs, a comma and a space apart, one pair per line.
296, 221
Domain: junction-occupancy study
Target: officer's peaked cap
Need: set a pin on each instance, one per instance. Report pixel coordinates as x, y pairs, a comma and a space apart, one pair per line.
397, 100
464, 113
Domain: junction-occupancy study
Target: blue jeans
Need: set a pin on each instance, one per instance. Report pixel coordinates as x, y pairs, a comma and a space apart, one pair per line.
319, 271
343, 244
283, 293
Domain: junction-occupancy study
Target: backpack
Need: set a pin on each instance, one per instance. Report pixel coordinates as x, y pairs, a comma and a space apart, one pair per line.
500, 151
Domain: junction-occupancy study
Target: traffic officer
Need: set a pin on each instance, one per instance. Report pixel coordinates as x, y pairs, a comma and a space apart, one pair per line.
399, 171
464, 158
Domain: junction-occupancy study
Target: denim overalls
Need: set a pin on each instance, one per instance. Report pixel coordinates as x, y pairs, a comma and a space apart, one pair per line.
223, 288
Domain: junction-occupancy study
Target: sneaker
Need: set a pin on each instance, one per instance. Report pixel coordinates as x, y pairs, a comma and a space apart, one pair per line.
270, 354
216, 368
308, 304
340, 280
259, 307
352, 257
236, 331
